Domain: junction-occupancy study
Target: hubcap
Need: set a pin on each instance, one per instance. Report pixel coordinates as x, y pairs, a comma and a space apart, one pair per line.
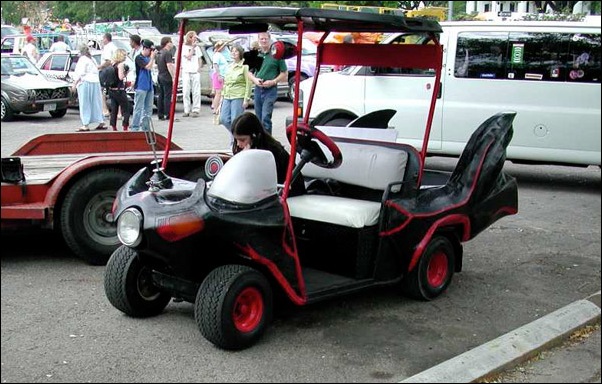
248, 309
437, 270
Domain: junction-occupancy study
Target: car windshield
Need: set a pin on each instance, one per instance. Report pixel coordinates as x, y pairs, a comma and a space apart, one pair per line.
18, 66
9, 30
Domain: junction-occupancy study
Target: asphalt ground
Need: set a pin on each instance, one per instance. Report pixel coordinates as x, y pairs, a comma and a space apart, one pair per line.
58, 327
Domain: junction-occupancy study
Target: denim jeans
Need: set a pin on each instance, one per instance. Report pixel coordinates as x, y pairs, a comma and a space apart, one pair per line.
230, 110
143, 110
264, 99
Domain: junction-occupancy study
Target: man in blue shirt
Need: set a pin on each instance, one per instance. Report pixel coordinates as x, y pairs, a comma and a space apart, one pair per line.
143, 98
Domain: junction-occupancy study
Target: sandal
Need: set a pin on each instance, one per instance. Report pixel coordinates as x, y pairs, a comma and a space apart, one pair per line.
82, 129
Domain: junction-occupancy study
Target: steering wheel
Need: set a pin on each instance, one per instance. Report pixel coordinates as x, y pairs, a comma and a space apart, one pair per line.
306, 141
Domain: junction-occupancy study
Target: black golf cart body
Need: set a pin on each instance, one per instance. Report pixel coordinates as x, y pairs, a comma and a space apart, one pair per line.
372, 215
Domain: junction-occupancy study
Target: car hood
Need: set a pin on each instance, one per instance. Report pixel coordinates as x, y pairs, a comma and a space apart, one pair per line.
28, 81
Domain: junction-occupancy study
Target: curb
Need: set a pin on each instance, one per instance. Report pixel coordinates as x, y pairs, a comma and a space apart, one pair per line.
514, 347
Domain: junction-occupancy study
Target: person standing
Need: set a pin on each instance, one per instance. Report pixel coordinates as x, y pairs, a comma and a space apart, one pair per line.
108, 50
143, 98
117, 96
237, 88
217, 75
191, 75
136, 44
167, 73
266, 81
87, 84
59, 45
30, 50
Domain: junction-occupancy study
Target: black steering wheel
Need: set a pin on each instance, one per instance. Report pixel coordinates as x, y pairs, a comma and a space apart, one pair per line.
307, 147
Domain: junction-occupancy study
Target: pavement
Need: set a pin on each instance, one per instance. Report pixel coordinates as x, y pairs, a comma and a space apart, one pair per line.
561, 347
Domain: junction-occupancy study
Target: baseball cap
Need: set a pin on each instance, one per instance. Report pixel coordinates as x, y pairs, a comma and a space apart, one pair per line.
148, 44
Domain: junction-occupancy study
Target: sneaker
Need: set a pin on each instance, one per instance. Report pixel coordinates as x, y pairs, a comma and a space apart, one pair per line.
161, 117
195, 114
186, 114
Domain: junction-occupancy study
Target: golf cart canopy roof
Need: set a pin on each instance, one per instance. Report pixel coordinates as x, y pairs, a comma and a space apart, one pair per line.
257, 19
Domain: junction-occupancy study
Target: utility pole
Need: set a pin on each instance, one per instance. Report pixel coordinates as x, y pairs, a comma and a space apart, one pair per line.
450, 10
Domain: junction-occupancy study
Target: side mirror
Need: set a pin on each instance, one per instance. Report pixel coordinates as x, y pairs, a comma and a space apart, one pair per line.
283, 50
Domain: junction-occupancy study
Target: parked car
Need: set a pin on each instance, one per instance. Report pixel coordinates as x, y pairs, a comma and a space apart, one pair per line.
27, 90
15, 43
60, 65
9, 30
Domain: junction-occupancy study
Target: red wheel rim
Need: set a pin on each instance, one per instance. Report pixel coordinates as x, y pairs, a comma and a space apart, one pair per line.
248, 309
437, 269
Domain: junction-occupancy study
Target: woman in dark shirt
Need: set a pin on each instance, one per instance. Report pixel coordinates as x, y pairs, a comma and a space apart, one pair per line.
250, 134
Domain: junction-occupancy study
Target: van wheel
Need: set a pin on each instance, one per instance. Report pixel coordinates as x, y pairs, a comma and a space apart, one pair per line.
129, 286
233, 306
434, 271
6, 113
338, 122
58, 113
86, 215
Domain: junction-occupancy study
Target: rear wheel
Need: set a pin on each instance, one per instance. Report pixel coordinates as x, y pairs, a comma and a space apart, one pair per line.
129, 286
87, 221
58, 113
338, 122
434, 271
233, 306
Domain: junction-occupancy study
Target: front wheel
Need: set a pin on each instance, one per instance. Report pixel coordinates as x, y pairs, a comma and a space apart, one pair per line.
291, 87
86, 215
129, 286
233, 306
434, 271
7, 112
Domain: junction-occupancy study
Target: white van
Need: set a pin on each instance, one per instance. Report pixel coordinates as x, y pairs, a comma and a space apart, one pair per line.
548, 72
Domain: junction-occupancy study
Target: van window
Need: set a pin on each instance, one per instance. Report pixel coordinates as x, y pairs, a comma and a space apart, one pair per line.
405, 39
533, 56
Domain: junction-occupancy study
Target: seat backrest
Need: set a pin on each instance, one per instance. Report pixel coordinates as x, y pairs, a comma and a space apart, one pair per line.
366, 165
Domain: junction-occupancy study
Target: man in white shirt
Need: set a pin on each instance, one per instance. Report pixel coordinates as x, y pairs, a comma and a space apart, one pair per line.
108, 50
30, 50
59, 45
191, 61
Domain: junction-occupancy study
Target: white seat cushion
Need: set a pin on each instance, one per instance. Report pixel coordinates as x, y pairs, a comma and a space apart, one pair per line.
335, 210
364, 165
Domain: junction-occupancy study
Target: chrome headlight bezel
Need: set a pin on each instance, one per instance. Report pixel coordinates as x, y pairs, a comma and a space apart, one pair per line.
129, 227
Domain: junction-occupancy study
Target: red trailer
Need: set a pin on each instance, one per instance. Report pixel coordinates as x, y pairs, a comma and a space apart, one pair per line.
68, 182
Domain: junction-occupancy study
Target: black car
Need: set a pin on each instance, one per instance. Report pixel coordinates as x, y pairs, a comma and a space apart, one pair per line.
26, 90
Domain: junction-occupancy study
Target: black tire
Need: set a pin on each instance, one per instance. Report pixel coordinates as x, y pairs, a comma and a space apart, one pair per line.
58, 113
129, 286
291, 86
6, 112
233, 307
86, 218
434, 272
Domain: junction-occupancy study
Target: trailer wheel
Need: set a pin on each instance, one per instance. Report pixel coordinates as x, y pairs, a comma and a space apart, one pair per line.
233, 306
129, 286
86, 216
434, 271
6, 113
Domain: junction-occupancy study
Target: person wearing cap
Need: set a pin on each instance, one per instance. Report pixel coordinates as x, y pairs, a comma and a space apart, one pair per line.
266, 81
30, 50
220, 64
144, 89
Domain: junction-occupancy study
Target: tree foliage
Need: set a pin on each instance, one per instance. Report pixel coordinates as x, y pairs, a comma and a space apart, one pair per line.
162, 12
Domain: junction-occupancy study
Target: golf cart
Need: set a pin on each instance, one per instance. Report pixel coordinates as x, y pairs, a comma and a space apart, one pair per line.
372, 214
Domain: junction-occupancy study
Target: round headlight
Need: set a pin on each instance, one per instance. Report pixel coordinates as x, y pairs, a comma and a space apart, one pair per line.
129, 227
